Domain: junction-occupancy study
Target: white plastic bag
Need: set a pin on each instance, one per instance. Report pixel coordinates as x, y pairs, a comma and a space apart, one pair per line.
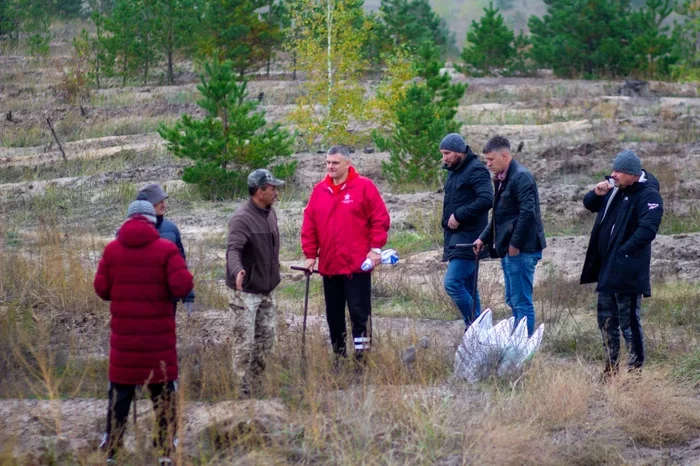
494, 349
389, 256
513, 349
467, 359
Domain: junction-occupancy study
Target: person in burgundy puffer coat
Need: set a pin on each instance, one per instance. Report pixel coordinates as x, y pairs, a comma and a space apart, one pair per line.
140, 273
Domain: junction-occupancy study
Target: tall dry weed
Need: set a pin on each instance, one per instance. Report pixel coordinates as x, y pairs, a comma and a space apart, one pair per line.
654, 410
555, 397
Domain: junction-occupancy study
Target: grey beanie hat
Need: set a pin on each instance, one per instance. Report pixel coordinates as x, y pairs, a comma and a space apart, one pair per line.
454, 142
144, 208
627, 162
152, 193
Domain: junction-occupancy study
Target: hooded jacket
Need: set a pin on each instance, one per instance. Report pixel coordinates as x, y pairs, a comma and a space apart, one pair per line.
140, 273
625, 268
342, 223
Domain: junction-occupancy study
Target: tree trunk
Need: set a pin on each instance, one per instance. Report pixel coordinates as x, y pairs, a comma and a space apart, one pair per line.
269, 48
171, 79
124, 70
224, 121
329, 27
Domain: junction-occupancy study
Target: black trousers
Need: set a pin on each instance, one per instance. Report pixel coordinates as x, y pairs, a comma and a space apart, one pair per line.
355, 291
621, 314
118, 405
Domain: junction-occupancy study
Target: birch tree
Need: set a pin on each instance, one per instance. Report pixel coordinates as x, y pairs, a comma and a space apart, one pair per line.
328, 45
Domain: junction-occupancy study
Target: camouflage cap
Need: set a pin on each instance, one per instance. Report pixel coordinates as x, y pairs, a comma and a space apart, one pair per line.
261, 177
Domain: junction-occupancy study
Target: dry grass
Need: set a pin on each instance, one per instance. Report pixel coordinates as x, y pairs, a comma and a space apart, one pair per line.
75, 128
653, 410
54, 276
389, 415
567, 391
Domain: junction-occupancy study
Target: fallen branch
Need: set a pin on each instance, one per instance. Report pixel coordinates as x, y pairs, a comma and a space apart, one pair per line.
65, 159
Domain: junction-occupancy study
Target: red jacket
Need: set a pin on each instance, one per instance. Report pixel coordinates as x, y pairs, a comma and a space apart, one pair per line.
342, 223
140, 273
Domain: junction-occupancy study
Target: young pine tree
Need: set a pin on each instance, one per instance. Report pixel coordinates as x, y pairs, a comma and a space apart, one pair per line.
122, 38
34, 20
234, 30
421, 118
686, 41
231, 140
489, 42
276, 18
588, 37
9, 20
174, 25
652, 43
410, 23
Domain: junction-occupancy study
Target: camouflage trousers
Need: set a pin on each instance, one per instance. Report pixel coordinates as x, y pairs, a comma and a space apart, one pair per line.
253, 318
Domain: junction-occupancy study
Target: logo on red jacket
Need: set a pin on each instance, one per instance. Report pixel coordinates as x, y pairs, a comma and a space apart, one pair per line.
347, 200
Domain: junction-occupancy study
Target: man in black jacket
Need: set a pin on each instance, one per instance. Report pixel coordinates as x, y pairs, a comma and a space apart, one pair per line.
465, 207
515, 232
619, 254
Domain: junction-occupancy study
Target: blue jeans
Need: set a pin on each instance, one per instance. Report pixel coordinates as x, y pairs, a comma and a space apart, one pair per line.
519, 274
459, 283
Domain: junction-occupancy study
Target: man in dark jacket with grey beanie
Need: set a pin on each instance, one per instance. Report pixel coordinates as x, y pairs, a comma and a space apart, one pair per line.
465, 207
154, 194
629, 209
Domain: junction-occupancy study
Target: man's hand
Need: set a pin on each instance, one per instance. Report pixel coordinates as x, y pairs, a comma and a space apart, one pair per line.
602, 188
189, 307
309, 264
376, 258
478, 246
452, 223
239, 280
513, 251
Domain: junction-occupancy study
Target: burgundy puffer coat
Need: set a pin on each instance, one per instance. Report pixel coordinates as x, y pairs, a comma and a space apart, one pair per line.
140, 273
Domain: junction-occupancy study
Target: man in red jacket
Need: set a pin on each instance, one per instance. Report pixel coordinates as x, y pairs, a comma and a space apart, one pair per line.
140, 274
345, 222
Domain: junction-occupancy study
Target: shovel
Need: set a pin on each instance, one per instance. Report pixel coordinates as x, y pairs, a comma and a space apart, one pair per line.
308, 274
476, 277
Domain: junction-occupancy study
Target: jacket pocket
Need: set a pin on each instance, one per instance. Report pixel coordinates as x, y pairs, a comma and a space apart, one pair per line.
625, 269
255, 279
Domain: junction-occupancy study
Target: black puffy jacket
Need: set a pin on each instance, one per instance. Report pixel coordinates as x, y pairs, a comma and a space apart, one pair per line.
625, 269
469, 196
516, 218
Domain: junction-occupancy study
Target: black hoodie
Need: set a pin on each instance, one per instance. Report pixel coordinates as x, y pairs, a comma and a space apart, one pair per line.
625, 268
